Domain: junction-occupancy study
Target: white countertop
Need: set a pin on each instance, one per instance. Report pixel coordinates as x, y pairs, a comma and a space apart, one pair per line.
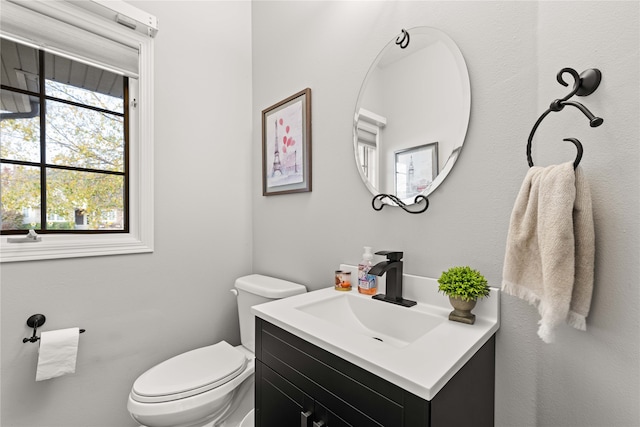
422, 367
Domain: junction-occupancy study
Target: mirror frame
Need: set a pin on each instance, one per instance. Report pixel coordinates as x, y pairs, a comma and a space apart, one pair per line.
465, 115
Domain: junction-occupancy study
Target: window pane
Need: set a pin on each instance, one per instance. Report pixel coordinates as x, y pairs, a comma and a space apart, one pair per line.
80, 137
20, 205
86, 97
19, 66
78, 82
19, 127
84, 200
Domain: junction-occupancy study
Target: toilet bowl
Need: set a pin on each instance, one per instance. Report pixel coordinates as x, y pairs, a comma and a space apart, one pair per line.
248, 420
212, 385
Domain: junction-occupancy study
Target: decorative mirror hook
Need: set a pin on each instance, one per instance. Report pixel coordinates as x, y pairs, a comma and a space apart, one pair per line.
404, 42
419, 198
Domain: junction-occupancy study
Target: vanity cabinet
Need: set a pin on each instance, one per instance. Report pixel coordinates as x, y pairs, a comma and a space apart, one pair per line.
301, 384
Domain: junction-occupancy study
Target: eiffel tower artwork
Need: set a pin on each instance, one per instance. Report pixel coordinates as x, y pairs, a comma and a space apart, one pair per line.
277, 166
411, 189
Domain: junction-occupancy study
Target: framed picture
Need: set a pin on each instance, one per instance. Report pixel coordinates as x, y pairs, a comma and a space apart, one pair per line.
416, 168
286, 145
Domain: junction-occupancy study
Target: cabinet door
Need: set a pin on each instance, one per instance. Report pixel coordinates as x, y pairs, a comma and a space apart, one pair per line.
356, 396
324, 417
278, 402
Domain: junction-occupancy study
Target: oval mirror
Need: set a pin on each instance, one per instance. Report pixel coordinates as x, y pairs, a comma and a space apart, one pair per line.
412, 115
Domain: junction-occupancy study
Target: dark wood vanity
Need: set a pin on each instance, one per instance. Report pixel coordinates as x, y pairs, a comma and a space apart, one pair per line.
300, 384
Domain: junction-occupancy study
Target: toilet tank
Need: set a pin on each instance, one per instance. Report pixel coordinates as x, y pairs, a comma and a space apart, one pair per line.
257, 289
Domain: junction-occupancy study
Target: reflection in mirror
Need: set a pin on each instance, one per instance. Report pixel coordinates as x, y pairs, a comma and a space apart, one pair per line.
411, 115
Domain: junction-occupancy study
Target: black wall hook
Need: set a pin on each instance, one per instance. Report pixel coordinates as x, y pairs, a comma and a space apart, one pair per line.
35, 321
584, 84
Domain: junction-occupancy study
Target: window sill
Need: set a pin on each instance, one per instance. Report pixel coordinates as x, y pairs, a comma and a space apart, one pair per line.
58, 246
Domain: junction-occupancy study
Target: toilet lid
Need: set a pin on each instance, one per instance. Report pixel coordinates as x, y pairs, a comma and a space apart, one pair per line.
190, 373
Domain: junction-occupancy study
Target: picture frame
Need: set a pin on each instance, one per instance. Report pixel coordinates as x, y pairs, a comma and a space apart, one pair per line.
415, 169
286, 145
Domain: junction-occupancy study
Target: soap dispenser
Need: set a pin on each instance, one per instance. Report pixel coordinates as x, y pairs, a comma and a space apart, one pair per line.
366, 282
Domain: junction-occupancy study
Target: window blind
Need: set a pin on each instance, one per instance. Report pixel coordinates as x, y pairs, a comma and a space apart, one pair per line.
367, 134
43, 26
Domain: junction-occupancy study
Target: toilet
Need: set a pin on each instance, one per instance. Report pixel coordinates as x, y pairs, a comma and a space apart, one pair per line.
213, 385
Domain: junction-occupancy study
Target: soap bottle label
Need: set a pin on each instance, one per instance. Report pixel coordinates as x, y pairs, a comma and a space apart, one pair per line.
366, 282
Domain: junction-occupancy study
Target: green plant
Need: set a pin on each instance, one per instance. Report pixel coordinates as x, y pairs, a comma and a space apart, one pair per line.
464, 283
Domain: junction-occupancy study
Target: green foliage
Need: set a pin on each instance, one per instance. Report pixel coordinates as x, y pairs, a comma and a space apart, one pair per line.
464, 283
11, 220
60, 225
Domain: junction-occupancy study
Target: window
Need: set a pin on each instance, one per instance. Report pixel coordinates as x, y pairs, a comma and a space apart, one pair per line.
368, 132
367, 157
67, 159
75, 132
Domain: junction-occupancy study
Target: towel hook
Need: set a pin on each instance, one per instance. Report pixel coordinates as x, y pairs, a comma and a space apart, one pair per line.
584, 84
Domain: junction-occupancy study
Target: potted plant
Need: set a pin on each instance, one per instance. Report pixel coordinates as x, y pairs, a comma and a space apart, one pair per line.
464, 286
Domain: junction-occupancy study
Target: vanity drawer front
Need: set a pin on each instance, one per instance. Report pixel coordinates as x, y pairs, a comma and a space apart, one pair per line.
347, 389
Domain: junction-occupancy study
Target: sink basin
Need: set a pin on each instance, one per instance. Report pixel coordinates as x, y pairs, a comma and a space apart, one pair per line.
392, 324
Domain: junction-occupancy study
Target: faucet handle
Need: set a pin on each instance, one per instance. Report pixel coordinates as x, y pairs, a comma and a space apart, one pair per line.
391, 255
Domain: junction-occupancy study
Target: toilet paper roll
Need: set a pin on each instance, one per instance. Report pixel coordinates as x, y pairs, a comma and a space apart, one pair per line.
57, 354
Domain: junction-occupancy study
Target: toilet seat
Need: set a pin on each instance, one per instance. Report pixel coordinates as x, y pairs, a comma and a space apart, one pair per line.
189, 374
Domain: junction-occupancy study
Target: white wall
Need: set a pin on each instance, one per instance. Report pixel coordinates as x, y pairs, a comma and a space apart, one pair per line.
141, 309
513, 51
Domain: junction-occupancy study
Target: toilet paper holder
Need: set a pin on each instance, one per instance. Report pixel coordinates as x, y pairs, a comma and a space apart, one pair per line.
35, 321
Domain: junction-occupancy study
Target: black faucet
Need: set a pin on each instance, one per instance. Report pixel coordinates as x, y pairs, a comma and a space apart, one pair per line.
394, 280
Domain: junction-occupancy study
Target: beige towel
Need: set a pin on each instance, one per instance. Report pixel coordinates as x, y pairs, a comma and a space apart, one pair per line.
550, 250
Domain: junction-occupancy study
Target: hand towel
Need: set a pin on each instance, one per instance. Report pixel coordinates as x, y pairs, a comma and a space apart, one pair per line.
550, 249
